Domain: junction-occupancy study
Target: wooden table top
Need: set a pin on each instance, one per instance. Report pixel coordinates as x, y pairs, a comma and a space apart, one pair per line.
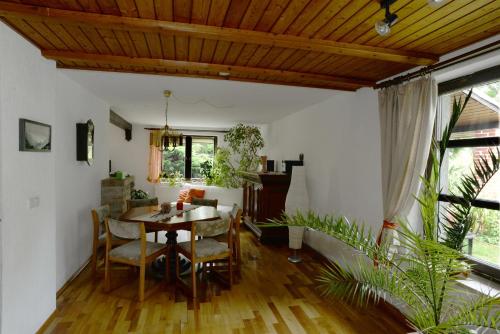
181, 221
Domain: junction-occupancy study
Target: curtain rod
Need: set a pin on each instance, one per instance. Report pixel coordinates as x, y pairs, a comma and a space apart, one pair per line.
441, 65
191, 130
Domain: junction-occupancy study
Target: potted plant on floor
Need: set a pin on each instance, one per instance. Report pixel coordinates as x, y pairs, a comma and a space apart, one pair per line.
422, 276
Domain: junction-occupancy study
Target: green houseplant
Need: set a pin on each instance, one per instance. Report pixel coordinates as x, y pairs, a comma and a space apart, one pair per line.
173, 178
206, 172
244, 141
423, 276
452, 226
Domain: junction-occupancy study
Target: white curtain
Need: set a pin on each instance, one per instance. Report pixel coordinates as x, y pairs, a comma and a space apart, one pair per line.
407, 114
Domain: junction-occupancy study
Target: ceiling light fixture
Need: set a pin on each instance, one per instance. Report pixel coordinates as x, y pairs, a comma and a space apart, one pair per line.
383, 27
170, 139
435, 3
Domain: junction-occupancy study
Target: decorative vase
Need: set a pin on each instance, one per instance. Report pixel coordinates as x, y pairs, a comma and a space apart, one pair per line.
297, 199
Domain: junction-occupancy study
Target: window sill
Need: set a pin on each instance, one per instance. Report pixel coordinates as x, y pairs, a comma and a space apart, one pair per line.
481, 285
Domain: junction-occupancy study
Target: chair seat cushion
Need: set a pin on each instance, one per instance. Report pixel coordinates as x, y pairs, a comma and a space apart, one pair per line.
132, 250
205, 247
102, 237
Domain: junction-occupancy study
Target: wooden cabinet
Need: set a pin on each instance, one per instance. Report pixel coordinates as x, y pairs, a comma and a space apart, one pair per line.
115, 193
264, 198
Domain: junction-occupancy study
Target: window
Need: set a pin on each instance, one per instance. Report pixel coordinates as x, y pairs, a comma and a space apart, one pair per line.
187, 159
475, 133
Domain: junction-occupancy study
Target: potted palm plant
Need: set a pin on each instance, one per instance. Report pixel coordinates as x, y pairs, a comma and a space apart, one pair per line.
422, 276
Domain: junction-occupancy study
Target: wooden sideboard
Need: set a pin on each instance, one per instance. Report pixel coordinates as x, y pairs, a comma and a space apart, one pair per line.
264, 196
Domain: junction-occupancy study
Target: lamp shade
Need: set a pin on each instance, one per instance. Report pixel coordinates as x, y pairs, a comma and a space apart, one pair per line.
297, 197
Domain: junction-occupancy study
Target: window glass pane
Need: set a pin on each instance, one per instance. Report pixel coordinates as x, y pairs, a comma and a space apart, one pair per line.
202, 150
484, 241
174, 161
459, 163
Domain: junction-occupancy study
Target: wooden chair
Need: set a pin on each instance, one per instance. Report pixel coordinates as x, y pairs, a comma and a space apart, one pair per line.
235, 216
206, 249
99, 234
138, 252
138, 203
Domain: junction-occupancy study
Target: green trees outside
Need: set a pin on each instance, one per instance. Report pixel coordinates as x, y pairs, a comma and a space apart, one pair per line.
175, 161
202, 151
486, 227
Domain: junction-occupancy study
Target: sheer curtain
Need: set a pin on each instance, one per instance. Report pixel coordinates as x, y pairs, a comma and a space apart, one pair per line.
155, 156
407, 114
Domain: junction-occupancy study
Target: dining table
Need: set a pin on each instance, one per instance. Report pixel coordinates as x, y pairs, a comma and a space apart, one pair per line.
175, 220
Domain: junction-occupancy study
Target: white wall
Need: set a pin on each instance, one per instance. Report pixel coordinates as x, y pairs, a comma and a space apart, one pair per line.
340, 139
78, 186
43, 246
133, 156
27, 90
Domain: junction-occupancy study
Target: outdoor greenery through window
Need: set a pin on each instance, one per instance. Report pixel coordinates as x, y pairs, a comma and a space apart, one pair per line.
174, 161
186, 160
479, 120
203, 149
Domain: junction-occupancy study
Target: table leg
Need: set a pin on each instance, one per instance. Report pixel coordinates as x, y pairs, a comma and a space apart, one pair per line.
158, 267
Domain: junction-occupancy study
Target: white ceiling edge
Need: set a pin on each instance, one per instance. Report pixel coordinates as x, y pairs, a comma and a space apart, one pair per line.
196, 102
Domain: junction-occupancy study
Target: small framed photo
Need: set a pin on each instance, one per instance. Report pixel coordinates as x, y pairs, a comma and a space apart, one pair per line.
34, 136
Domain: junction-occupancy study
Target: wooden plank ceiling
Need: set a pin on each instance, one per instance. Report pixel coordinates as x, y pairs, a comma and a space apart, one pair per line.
311, 43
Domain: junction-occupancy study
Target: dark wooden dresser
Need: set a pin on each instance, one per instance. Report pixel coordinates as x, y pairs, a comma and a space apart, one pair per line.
264, 196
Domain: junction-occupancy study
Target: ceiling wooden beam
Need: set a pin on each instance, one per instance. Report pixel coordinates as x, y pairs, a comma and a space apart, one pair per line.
198, 76
52, 15
120, 122
213, 68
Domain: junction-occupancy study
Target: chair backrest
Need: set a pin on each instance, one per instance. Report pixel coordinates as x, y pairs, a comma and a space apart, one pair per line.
124, 230
137, 203
100, 214
213, 227
205, 202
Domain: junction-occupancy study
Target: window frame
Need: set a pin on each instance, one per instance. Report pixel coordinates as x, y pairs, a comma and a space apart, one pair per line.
188, 153
480, 267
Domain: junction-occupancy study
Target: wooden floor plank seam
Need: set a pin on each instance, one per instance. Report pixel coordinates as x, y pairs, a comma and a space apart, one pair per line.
264, 300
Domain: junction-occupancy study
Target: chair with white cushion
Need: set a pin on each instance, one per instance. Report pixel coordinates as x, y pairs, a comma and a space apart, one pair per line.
99, 214
138, 252
207, 249
235, 216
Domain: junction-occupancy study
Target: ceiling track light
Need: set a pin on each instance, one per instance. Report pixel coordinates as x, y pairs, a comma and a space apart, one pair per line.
435, 3
383, 27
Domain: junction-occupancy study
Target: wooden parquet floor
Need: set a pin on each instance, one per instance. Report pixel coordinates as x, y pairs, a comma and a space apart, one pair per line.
273, 296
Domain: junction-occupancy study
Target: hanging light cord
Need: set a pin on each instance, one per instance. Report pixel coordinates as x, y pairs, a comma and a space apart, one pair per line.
202, 100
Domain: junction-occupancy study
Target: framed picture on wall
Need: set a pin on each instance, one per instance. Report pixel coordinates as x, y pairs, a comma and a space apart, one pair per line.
34, 136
